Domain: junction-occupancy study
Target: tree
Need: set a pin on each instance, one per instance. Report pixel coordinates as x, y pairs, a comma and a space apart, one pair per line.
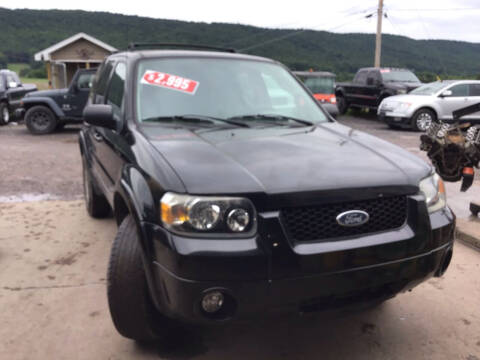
3, 61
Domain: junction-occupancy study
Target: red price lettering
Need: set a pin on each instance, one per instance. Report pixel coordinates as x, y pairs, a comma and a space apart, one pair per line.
170, 81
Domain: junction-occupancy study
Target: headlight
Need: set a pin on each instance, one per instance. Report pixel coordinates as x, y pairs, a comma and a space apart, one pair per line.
403, 106
401, 91
207, 214
434, 190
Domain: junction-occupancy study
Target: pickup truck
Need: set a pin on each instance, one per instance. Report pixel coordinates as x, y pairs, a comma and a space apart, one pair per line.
371, 85
11, 92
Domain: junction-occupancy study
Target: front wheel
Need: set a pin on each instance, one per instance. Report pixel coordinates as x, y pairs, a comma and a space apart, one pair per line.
131, 308
4, 114
342, 104
40, 120
422, 119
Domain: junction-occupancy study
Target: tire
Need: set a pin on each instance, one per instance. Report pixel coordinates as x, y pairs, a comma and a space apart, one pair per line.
95, 202
4, 114
40, 120
342, 104
131, 309
422, 119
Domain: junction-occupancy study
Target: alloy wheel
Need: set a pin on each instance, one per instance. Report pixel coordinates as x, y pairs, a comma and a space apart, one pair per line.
424, 120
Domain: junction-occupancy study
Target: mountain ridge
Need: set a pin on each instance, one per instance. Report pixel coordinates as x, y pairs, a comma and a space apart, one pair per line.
26, 31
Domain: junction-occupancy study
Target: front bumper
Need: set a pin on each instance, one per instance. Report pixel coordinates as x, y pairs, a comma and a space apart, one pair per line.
258, 279
392, 118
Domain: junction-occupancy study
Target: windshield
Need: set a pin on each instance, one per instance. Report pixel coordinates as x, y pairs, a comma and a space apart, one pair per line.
221, 89
429, 89
318, 85
398, 76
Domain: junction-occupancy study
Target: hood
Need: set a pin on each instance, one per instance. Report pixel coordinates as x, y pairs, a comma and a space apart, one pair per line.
409, 86
47, 93
284, 160
410, 98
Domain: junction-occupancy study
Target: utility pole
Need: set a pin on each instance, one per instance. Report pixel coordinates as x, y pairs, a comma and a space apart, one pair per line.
378, 42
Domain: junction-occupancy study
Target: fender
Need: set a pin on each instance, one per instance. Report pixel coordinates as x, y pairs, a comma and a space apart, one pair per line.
32, 101
135, 193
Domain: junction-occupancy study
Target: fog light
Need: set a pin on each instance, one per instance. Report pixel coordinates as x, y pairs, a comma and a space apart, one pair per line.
212, 301
238, 220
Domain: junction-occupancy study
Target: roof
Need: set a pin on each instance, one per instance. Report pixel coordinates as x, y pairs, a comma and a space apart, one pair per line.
44, 55
314, 73
156, 53
384, 68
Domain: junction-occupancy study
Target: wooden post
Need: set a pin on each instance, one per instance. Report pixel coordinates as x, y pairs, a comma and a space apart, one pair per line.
49, 74
378, 43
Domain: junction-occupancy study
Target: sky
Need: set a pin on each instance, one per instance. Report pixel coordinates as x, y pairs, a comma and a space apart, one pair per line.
425, 19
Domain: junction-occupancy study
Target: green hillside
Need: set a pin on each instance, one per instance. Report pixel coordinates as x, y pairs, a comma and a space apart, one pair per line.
26, 31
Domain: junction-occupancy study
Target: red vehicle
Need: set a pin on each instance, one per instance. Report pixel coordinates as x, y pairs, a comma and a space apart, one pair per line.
320, 83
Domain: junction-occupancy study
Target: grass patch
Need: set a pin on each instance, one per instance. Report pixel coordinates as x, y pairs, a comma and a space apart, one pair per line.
42, 84
17, 67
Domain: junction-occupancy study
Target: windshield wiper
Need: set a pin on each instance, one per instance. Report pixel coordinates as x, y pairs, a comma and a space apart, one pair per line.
194, 118
272, 117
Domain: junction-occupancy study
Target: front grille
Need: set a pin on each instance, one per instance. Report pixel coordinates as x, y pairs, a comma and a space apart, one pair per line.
314, 223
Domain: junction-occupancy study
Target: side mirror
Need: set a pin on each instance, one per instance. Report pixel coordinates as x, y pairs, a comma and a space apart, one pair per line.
12, 84
100, 115
446, 93
370, 81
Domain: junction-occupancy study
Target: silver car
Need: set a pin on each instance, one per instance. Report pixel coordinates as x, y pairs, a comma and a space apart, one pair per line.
437, 100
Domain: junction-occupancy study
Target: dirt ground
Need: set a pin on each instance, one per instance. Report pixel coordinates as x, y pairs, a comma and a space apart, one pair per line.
39, 167
53, 261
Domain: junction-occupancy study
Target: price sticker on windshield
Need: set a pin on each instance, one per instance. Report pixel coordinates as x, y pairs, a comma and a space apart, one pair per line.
170, 81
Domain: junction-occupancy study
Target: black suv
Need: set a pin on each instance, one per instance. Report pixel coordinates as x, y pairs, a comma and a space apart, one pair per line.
49, 110
237, 195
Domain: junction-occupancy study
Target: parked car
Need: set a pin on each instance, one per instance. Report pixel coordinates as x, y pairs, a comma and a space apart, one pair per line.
322, 85
430, 102
11, 92
371, 85
231, 206
49, 110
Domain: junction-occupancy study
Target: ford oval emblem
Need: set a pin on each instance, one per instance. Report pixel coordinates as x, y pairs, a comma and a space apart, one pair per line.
353, 218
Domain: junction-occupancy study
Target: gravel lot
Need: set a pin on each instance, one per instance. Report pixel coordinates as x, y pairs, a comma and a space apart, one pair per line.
53, 261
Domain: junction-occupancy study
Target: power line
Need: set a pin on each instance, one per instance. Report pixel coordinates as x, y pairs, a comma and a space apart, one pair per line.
294, 33
452, 9
292, 23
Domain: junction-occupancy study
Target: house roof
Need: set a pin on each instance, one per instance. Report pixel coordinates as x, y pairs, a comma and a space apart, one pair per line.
44, 55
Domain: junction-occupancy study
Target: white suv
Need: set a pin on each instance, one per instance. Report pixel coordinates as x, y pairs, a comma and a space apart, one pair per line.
429, 102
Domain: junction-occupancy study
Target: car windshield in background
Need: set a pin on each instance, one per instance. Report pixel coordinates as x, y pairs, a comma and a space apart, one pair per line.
318, 85
429, 89
398, 76
221, 89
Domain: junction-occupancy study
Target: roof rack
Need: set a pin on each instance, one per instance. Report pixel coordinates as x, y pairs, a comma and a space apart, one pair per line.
139, 46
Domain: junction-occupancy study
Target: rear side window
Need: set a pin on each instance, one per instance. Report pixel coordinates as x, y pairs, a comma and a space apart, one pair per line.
85, 81
102, 81
459, 90
116, 88
474, 89
361, 77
